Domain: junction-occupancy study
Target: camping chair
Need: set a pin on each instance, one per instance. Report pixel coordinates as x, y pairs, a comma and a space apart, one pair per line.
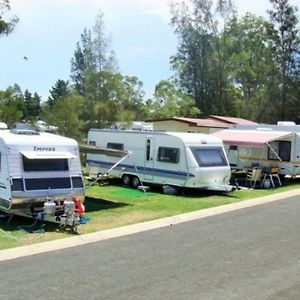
271, 173
253, 176
275, 174
93, 173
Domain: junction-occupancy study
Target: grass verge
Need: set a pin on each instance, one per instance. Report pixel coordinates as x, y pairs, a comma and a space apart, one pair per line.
110, 206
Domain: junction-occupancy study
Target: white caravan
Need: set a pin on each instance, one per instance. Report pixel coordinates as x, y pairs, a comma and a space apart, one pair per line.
40, 173
190, 160
268, 146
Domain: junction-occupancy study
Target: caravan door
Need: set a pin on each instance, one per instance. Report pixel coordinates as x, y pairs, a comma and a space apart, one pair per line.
232, 155
149, 159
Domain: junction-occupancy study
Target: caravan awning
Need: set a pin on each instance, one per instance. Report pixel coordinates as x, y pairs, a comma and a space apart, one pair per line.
47, 155
99, 150
254, 138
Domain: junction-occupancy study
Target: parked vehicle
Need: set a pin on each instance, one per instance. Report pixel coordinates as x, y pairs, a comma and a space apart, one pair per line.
165, 158
266, 147
40, 176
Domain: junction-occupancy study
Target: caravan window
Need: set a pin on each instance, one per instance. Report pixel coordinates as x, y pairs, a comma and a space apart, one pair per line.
17, 184
148, 150
166, 154
233, 148
209, 157
77, 182
57, 164
282, 148
116, 146
34, 184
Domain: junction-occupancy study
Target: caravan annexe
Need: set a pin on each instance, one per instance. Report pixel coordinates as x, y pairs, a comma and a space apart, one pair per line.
36, 167
264, 147
190, 160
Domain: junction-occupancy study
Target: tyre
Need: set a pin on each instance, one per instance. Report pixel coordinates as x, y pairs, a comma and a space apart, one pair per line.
135, 181
126, 180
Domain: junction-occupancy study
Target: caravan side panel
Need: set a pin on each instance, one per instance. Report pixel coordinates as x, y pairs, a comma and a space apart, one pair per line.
161, 158
146, 161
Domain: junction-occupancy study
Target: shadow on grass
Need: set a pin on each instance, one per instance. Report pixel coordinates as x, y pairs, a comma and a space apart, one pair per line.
18, 223
95, 204
198, 193
157, 189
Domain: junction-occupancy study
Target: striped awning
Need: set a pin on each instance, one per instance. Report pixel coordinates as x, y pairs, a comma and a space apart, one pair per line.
254, 138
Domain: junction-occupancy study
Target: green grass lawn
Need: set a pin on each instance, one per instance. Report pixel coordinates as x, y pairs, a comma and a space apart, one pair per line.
110, 206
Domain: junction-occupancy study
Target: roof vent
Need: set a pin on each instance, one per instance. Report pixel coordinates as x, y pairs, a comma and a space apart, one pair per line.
264, 129
285, 123
24, 132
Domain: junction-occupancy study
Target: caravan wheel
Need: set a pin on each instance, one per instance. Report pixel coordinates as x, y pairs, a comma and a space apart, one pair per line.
135, 181
126, 179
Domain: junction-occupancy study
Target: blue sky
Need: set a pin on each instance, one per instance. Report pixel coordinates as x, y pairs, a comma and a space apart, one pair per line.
48, 31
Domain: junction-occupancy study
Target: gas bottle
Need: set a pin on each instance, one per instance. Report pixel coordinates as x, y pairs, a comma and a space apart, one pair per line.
69, 206
49, 207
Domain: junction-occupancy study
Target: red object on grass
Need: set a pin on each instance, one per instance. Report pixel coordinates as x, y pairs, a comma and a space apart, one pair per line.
79, 207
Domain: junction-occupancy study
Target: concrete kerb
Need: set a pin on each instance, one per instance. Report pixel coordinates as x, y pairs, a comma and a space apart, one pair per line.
78, 240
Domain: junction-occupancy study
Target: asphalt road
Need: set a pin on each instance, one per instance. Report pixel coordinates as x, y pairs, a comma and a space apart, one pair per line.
252, 253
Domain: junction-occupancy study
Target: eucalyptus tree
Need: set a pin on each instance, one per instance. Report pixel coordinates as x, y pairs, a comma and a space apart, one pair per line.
284, 38
101, 43
224, 15
82, 62
201, 59
92, 54
250, 68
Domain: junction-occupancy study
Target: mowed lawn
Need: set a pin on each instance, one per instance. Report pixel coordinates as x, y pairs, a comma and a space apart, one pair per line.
111, 205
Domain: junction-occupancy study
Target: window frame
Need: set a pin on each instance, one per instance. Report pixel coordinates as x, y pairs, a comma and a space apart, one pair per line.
162, 157
116, 146
201, 163
34, 165
278, 145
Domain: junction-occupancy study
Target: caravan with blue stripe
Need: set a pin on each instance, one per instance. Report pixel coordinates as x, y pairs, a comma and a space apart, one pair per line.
190, 160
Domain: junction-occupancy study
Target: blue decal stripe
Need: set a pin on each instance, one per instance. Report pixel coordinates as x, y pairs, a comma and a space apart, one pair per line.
144, 170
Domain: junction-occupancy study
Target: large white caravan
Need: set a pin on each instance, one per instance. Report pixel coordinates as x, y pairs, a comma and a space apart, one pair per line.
179, 159
39, 174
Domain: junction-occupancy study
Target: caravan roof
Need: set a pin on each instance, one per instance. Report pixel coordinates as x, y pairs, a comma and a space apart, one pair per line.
186, 137
254, 138
23, 137
192, 138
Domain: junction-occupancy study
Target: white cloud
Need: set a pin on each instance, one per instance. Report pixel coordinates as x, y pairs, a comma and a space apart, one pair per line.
160, 8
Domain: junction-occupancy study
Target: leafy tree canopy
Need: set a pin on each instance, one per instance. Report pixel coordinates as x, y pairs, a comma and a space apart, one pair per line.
169, 101
6, 27
65, 114
58, 91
